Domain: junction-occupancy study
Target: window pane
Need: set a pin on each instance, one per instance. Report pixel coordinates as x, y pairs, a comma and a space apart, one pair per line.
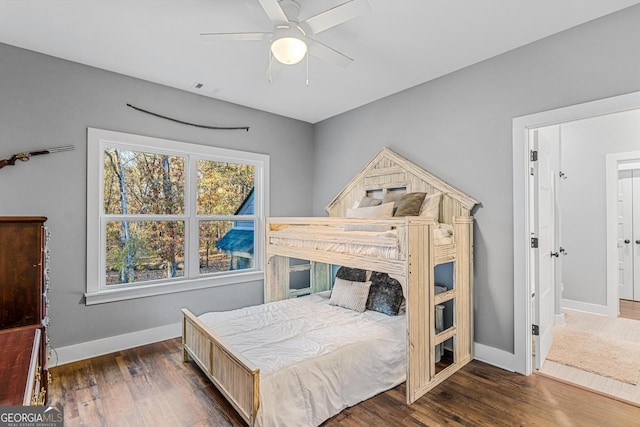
137, 182
226, 245
224, 188
139, 251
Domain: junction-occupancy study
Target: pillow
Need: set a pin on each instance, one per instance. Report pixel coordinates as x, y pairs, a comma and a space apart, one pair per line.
351, 295
385, 294
352, 274
409, 204
431, 206
381, 211
368, 202
392, 196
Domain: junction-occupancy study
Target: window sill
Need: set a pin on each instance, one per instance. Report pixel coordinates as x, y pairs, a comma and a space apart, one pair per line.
121, 294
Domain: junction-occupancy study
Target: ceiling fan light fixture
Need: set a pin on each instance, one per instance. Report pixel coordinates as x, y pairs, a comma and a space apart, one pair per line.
288, 46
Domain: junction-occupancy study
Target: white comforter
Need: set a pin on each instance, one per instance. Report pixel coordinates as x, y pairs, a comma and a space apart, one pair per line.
315, 359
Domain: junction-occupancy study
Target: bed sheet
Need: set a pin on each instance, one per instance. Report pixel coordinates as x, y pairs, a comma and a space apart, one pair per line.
315, 359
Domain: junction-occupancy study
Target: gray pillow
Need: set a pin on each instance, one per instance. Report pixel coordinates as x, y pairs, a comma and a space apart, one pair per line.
351, 274
368, 202
385, 294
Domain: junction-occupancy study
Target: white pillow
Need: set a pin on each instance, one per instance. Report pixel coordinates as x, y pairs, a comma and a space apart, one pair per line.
351, 295
384, 210
431, 206
380, 211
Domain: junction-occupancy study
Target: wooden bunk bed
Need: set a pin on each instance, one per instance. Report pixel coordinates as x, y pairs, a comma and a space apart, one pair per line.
409, 249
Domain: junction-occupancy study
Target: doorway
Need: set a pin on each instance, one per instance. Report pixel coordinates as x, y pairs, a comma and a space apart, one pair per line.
524, 313
586, 222
628, 221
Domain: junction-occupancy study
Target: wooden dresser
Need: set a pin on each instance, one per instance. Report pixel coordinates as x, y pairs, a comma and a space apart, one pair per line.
24, 286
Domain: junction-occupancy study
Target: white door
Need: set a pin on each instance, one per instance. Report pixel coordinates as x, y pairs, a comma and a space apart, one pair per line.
636, 235
544, 256
629, 234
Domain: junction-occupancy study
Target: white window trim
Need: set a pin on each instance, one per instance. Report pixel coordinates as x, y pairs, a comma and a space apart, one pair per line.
96, 140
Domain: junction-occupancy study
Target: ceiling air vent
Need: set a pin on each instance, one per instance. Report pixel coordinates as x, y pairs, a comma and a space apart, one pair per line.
206, 88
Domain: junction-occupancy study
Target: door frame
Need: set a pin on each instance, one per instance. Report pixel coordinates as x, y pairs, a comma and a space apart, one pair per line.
613, 162
522, 312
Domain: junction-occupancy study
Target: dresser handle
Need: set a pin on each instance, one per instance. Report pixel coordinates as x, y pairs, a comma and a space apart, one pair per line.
41, 396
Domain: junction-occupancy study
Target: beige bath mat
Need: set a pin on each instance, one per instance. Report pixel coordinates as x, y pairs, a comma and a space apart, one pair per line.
597, 353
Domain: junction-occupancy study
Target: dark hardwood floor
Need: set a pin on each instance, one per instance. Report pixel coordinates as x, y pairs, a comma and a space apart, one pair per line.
151, 386
630, 309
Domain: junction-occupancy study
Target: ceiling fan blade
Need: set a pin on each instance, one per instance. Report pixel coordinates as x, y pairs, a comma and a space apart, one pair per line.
328, 54
274, 12
235, 36
335, 16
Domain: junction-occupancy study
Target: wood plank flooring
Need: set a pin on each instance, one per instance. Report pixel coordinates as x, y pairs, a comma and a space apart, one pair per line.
151, 386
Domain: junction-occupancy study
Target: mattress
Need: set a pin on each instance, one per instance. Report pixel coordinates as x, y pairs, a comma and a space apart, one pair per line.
373, 244
315, 359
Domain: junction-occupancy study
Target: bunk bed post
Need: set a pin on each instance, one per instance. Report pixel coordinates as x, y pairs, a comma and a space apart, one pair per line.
185, 353
463, 233
419, 316
276, 286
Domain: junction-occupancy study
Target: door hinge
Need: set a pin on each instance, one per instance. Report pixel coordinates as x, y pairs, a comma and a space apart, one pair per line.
534, 242
535, 330
533, 156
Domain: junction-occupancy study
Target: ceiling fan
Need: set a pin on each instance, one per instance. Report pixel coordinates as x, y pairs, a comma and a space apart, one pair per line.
290, 39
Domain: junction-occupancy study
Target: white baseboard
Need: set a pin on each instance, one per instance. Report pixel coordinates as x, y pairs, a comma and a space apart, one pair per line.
87, 350
493, 356
559, 319
584, 306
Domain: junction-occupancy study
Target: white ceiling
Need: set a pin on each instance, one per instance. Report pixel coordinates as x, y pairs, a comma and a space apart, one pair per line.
396, 45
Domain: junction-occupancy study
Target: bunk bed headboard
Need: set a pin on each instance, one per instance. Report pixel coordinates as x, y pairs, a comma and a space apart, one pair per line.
388, 172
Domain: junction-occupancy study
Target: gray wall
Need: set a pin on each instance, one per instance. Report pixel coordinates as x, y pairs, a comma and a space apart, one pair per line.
47, 102
459, 127
585, 145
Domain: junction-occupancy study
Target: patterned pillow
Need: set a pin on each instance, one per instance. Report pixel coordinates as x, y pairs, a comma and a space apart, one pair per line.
385, 294
352, 274
351, 295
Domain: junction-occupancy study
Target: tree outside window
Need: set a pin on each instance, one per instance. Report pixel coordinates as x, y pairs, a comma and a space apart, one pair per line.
172, 211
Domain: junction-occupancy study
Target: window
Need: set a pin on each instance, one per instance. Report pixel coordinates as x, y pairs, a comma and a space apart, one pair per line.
166, 216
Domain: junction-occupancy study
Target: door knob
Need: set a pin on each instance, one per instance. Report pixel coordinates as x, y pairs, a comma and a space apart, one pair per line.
563, 251
627, 241
638, 242
555, 254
